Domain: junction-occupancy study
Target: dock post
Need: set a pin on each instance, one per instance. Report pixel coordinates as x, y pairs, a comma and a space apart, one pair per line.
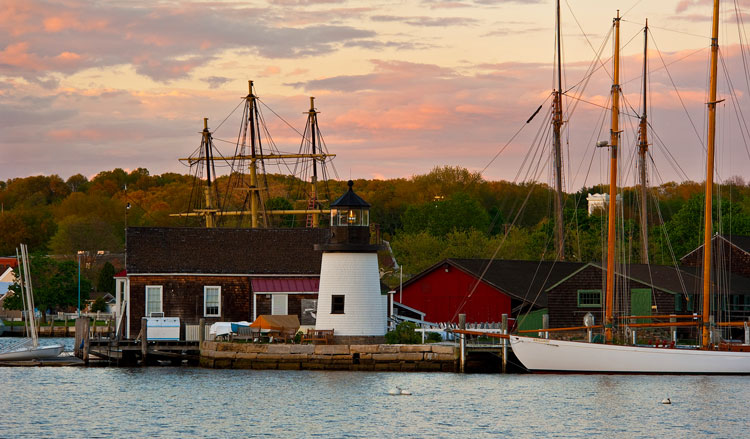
144, 339
747, 332
545, 324
86, 339
201, 332
462, 342
505, 342
673, 329
79, 337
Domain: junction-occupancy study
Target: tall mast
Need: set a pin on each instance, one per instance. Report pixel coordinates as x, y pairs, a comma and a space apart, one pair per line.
313, 121
643, 152
254, 189
210, 212
613, 143
557, 122
706, 335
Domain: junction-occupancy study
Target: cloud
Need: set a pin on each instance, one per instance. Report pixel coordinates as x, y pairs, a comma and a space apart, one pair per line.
216, 81
427, 21
163, 41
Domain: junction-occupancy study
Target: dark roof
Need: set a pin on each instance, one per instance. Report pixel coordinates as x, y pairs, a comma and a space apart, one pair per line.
350, 199
224, 251
664, 277
727, 281
739, 241
677, 280
523, 280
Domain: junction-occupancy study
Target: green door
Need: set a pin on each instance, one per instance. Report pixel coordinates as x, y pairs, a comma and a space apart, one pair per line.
640, 303
531, 320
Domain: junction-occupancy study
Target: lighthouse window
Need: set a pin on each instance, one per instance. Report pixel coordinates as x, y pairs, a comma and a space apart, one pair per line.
337, 304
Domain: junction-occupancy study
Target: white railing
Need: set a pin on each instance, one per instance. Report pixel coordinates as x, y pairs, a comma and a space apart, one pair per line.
192, 333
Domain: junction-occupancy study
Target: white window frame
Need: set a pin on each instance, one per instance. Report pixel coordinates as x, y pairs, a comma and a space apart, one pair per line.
277, 296
205, 306
161, 300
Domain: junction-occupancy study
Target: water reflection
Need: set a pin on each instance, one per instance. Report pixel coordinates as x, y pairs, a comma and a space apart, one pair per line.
181, 402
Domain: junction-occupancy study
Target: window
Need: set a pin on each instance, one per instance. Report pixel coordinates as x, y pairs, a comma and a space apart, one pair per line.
211, 301
279, 304
589, 298
678, 302
337, 304
153, 299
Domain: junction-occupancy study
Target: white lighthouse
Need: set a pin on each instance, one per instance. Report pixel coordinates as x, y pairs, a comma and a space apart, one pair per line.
349, 298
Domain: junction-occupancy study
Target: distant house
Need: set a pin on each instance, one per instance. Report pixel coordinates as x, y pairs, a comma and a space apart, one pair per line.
7, 278
220, 274
482, 289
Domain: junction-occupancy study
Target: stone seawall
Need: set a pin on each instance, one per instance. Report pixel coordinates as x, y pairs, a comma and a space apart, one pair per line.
222, 355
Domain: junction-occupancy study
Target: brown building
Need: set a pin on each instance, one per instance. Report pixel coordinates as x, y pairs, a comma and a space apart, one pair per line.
221, 274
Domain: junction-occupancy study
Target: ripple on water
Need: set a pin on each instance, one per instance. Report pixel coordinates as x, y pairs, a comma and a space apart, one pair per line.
171, 402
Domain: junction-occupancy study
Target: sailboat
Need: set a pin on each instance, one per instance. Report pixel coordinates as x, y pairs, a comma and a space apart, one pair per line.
545, 355
29, 349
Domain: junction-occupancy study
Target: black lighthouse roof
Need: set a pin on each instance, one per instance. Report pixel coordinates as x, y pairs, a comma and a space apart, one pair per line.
350, 199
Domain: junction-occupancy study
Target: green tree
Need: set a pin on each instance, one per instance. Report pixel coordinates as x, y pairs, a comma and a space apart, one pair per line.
85, 234
55, 285
439, 217
106, 279
280, 203
403, 334
99, 305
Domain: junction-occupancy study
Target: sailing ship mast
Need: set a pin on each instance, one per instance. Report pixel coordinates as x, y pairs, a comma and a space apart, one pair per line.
643, 152
557, 122
707, 232
613, 143
251, 136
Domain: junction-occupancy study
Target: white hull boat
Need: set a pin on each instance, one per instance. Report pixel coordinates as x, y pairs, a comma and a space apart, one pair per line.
544, 355
32, 353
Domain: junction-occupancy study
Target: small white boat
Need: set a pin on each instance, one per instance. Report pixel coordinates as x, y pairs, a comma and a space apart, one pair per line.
31, 353
29, 349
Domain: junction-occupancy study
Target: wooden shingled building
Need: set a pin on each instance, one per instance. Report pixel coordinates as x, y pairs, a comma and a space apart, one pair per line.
221, 274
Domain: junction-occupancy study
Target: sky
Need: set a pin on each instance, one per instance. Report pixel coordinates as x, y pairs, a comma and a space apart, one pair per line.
401, 86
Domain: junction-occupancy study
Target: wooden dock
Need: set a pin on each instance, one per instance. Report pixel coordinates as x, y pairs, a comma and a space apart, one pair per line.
110, 349
50, 362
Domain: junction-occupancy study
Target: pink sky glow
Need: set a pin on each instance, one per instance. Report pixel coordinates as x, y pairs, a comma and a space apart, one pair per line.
87, 86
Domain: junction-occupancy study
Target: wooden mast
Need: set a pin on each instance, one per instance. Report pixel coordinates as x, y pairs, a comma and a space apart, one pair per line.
313, 121
209, 211
706, 334
613, 143
254, 190
557, 122
643, 152
252, 123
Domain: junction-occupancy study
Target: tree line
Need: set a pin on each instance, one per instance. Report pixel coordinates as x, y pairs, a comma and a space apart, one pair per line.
448, 212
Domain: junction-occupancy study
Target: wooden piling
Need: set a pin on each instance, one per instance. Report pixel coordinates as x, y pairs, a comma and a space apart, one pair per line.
505, 342
545, 324
86, 339
462, 342
201, 332
144, 339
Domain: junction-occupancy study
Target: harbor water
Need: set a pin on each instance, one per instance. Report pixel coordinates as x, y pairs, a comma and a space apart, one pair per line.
179, 402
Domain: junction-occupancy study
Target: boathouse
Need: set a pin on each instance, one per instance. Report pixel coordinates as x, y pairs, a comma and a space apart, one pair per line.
483, 289
220, 274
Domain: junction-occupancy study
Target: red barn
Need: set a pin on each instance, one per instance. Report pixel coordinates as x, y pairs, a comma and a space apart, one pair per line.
451, 287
